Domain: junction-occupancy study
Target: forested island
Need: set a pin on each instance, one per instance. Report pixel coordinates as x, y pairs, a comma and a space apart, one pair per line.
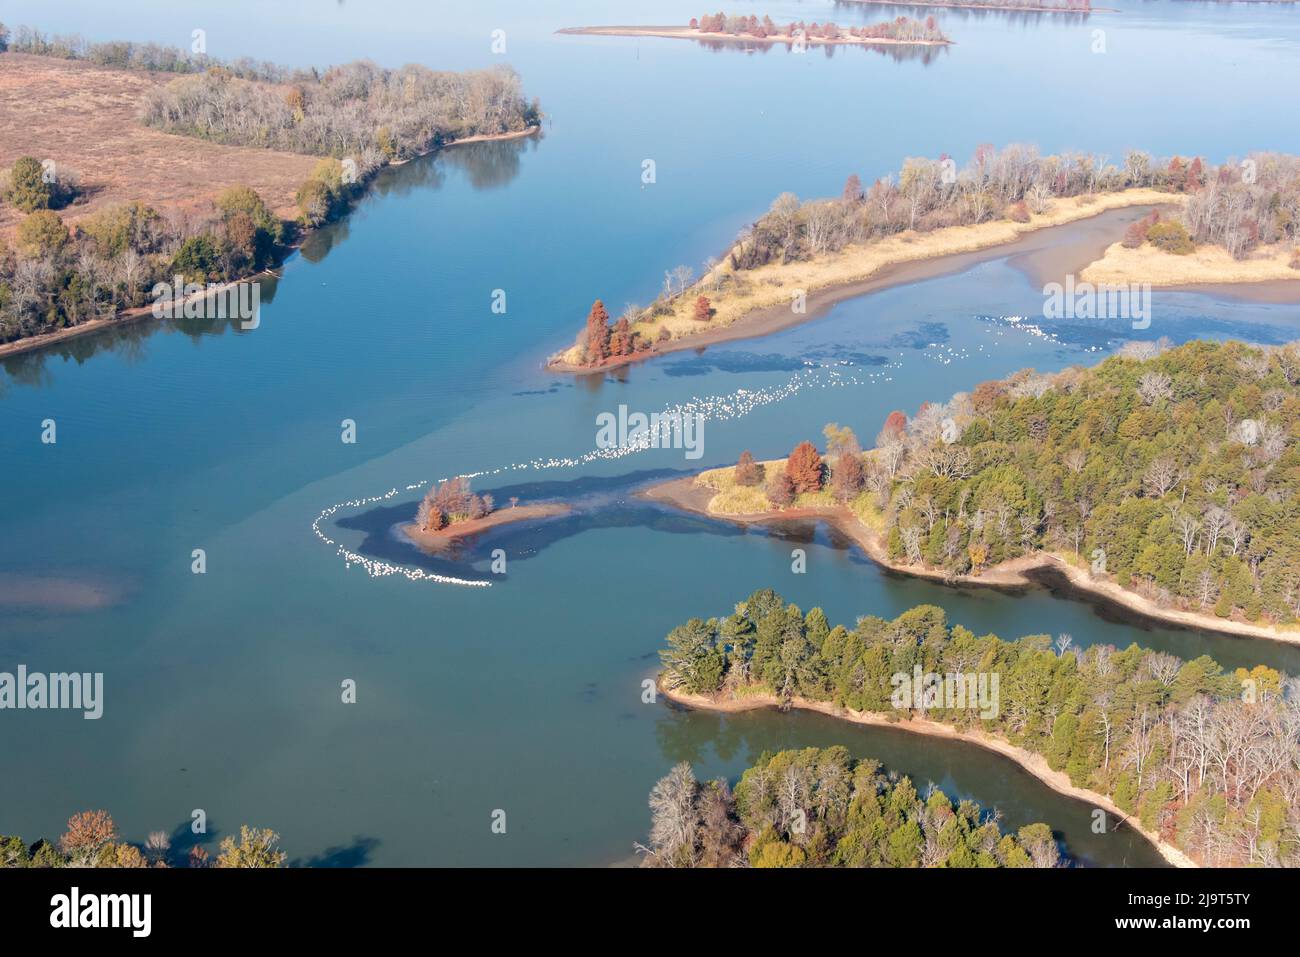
85, 235
92, 840
1205, 763
1165, 478
721, 27
819, 807
1230, 216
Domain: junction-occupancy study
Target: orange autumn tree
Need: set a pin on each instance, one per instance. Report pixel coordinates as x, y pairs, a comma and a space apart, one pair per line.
703, 309
597, 333
87, 832
804, 466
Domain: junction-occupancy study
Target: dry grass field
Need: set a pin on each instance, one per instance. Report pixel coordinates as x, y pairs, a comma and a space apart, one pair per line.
83, 117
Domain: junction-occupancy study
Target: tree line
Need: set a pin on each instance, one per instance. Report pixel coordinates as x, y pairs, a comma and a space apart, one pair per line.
54, 277
819, 807
1240, 206
359, 110
1208, 760
1173, 472
900, 28
92, 840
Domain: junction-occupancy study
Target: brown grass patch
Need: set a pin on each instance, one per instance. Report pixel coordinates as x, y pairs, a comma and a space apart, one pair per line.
84, 117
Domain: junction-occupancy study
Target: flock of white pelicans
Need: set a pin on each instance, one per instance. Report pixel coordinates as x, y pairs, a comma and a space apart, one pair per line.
715, 408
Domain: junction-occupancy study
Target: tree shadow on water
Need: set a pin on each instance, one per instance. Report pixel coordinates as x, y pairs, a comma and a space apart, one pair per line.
356, 854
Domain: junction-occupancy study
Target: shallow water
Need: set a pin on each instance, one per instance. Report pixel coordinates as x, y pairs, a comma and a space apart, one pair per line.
222, 690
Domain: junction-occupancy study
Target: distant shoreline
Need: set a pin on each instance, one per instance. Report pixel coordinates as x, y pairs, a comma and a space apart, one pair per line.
682, 493
686, 33
1034, 764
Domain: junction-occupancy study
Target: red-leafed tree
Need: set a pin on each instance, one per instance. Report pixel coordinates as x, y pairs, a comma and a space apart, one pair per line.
894, 425
597, 333
703, 309
853, 189
804, 466
620, 340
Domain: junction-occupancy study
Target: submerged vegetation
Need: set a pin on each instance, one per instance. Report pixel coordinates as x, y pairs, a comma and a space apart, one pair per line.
821, 808
1209, 761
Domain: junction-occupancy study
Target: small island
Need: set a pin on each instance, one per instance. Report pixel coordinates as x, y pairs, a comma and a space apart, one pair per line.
450, 511
721, 28
1164, 480
1011, 6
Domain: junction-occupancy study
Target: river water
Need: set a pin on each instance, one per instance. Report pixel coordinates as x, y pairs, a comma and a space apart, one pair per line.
222, 690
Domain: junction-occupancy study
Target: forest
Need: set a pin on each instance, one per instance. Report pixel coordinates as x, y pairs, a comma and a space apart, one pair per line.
1208, 760
55, 277
1171, 471
819, 807
92, 840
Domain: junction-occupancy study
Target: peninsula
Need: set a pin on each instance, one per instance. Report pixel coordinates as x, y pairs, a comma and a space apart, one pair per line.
801, 256
1129, 731
103, 195
1164, 480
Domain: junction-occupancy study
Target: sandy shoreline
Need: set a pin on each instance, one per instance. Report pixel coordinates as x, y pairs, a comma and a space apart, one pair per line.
447, 537
684, 494
894, 261
126, 316
686, 33
1034, 764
